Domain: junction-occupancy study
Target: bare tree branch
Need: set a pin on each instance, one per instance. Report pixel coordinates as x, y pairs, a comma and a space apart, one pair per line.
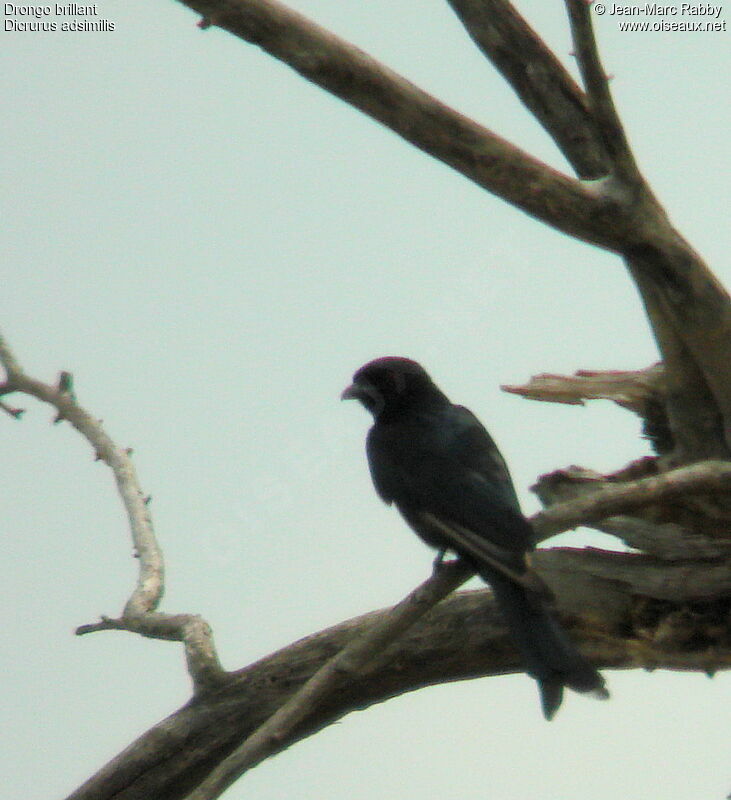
539, 79
138, 616
642, 391
680, 582
690, 312
349, 663
190, 629
708, 477
480, 155
462, 637
674, 282
631, 389
596, 84
666, 540
596, 594
690, 315
148, 591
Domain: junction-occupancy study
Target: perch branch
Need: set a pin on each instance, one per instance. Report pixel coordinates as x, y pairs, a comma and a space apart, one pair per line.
137, 615
462, 637
349, 663
622, 608
705, 477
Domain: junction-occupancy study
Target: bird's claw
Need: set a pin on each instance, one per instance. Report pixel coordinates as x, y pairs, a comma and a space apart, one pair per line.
439, 562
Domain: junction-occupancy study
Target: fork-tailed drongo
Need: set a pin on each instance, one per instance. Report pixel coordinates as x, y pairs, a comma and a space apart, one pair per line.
439, 466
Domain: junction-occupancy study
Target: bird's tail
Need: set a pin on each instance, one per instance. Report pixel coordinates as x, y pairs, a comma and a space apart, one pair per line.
549, 655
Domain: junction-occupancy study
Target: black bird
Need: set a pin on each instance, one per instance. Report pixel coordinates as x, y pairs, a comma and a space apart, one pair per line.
440, 467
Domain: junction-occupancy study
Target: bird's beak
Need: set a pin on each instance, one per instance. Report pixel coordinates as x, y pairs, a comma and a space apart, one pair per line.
351, 393
366, 394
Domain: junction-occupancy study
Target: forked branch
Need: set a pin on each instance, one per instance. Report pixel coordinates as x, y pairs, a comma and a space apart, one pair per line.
138, 614
539, 79
479, 154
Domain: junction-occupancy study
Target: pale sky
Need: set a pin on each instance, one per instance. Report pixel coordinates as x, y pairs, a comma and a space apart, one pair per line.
212, 246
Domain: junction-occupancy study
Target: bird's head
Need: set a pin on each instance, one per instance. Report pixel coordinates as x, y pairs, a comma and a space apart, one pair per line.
391, 384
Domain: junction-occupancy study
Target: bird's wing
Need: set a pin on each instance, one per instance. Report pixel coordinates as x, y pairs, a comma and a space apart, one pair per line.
479, 453
446, 465
484, 552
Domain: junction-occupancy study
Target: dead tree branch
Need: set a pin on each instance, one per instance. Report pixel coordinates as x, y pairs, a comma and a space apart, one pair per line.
539, 79
347, 665
471, 149
708, 477
631, 389
642, 391
463, 637
607, 120
139, 612
625, 610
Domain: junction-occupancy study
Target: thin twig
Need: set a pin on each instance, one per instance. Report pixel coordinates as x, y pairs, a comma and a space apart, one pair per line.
596, 85
148, 591
348, 663
17, 413
539, 79
190, 629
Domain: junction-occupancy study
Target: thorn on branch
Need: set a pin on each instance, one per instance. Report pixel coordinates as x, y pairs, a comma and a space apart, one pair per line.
105, 624
66, 384
204, 23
